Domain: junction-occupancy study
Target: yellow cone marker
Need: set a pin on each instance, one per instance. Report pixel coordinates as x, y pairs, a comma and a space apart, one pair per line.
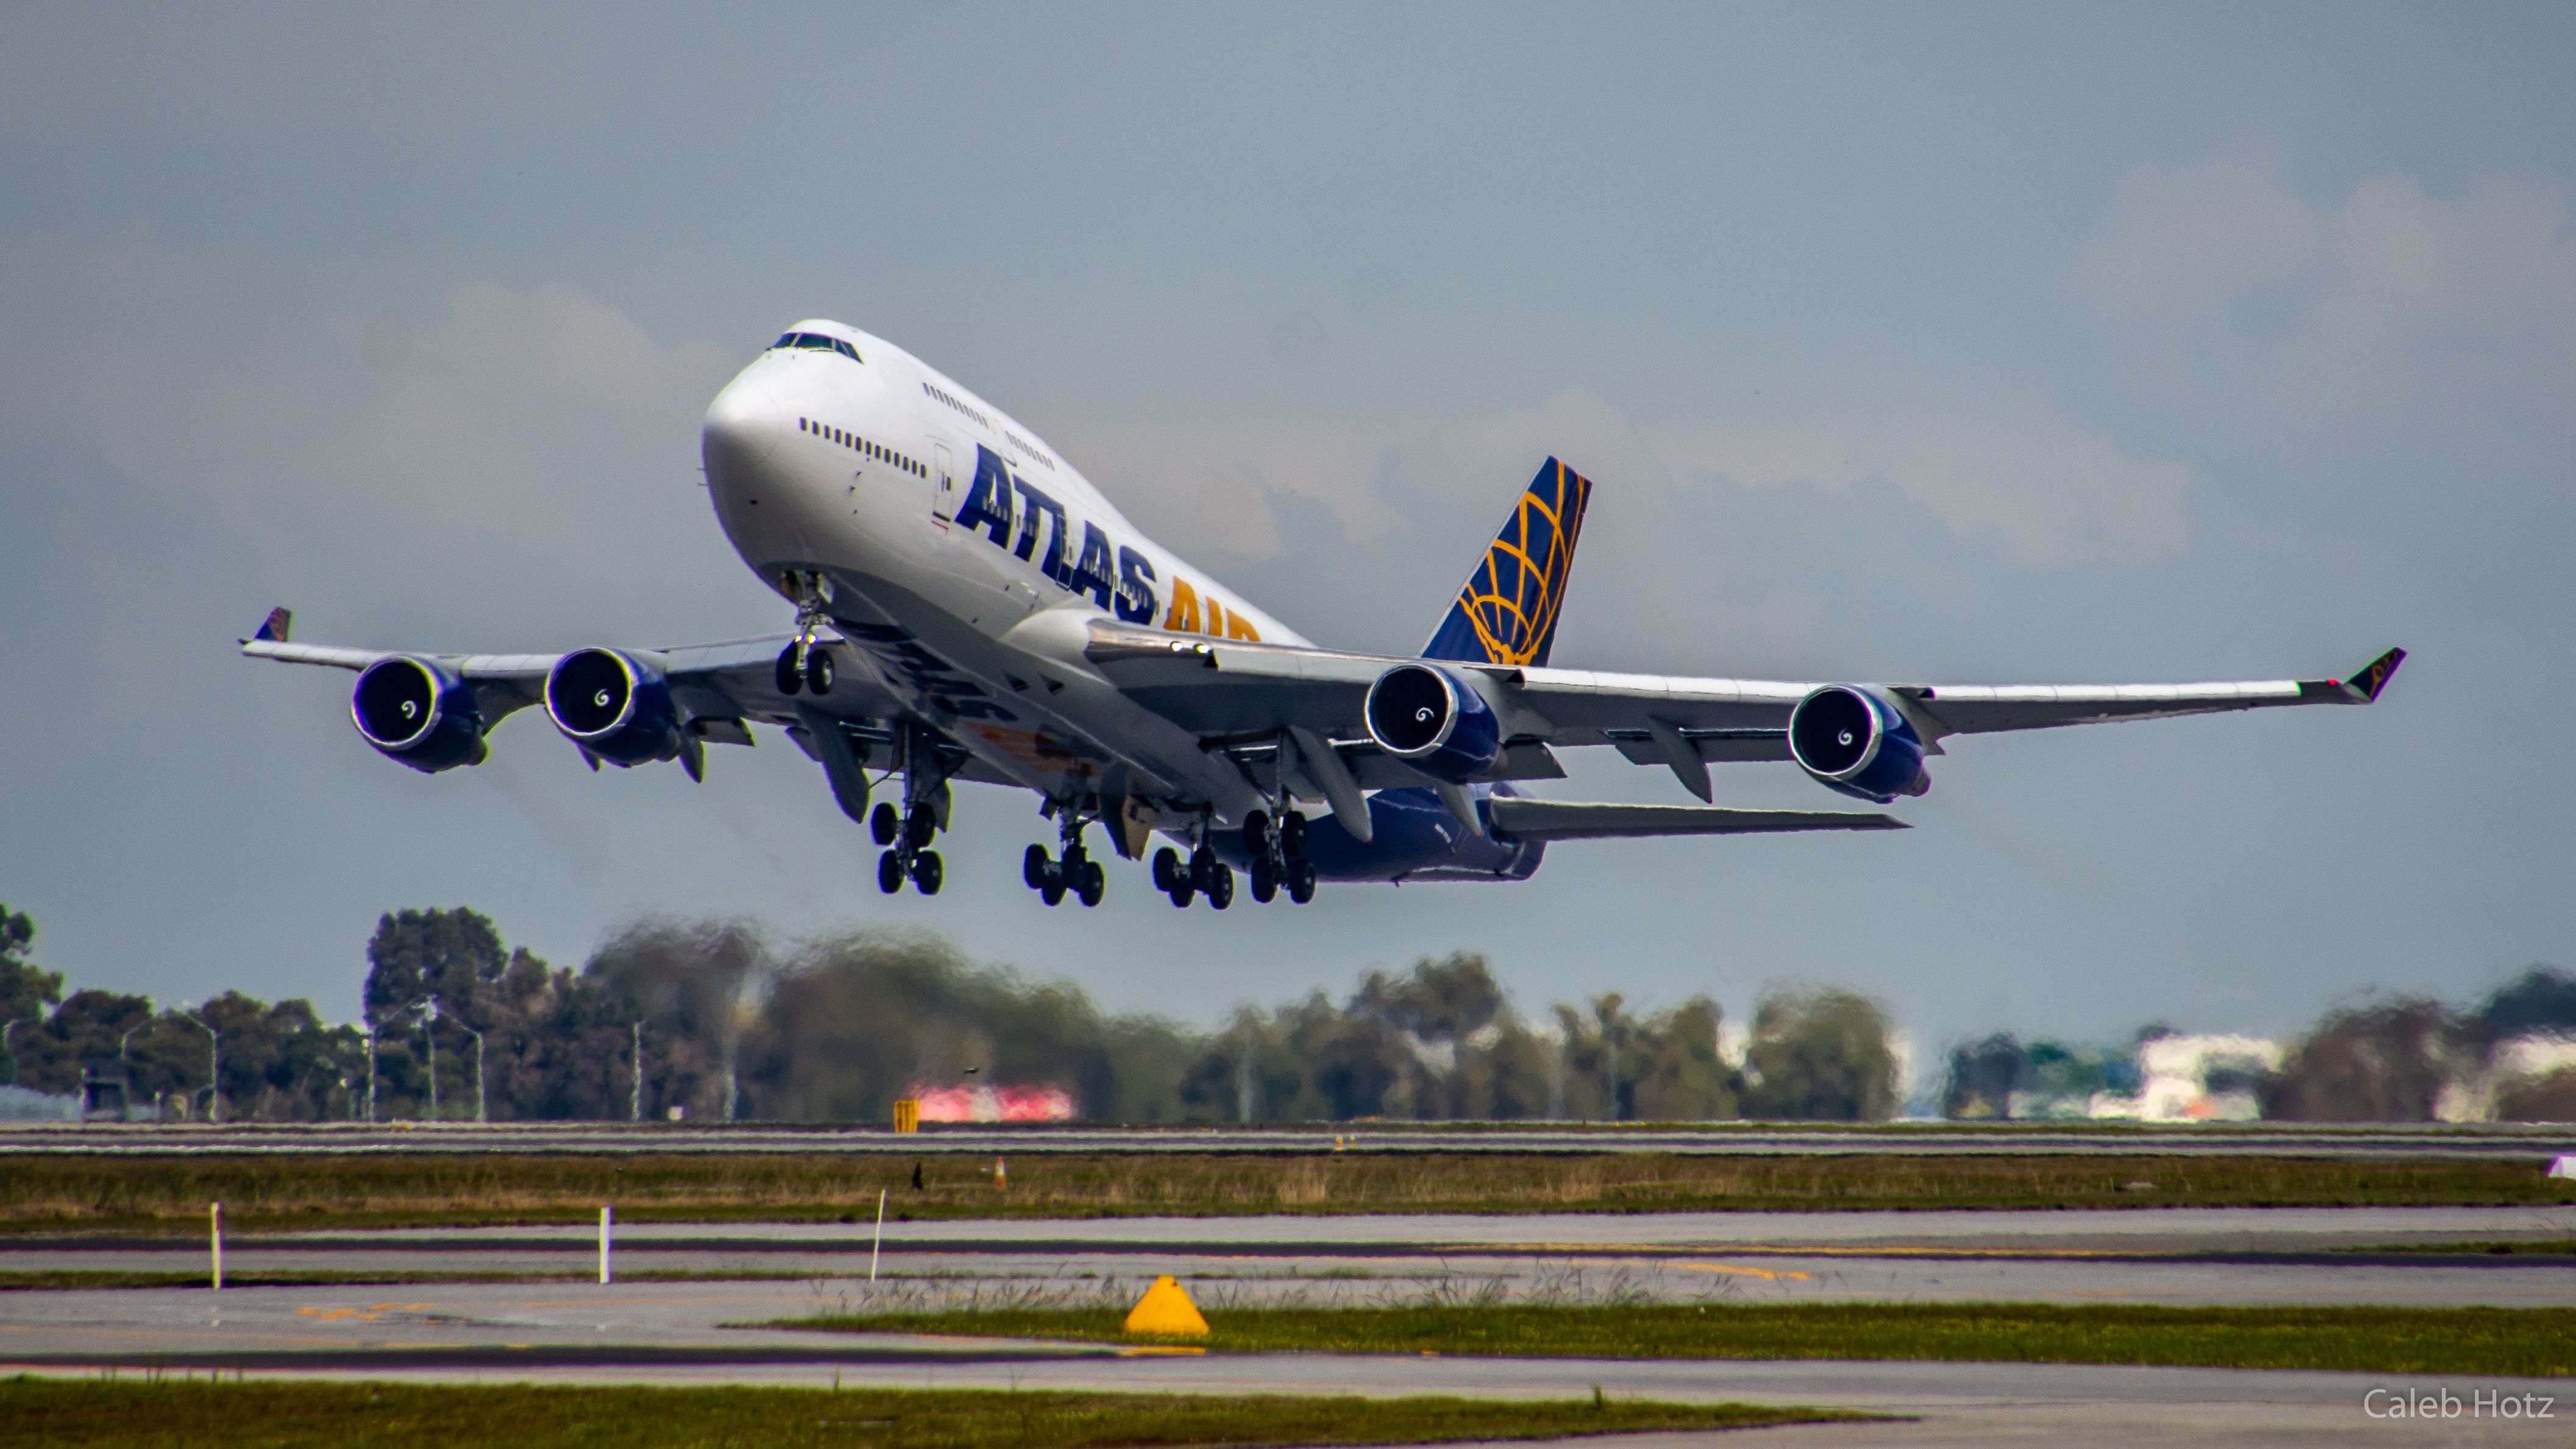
1166, 1312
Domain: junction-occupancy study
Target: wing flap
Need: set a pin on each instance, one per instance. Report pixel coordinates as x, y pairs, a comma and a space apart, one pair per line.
1575, 820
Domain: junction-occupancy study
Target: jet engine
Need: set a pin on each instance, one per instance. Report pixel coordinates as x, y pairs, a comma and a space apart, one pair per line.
1434, 721
418, 714
615, 706
1856, 740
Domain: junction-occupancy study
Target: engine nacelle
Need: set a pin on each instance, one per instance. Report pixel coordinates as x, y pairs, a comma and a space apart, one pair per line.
614, 705
1855, 740
418, 714
1434, 721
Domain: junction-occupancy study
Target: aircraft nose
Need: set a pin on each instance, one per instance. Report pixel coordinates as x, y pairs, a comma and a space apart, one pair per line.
743, 426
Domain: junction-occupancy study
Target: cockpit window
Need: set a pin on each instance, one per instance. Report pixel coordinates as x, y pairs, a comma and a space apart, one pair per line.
817, 342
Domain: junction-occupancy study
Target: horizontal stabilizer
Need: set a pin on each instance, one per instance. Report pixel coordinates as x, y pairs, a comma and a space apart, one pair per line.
1571, 820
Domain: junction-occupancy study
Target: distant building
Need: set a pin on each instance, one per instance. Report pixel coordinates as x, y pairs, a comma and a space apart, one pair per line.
2199, 1078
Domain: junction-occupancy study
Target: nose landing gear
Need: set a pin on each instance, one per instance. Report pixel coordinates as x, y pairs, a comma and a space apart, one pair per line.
800, 664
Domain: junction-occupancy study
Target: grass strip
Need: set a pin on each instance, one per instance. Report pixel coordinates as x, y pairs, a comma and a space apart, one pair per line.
2543, 1247
69, 1414
47, 1193
57, 1279
2524, 1342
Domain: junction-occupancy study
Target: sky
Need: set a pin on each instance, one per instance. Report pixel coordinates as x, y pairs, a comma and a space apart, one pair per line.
1961, 344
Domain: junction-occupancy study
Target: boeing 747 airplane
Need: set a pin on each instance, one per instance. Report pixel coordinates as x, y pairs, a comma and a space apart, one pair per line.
969, 607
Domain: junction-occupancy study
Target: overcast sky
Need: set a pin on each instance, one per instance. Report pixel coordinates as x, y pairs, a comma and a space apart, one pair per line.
1948, 344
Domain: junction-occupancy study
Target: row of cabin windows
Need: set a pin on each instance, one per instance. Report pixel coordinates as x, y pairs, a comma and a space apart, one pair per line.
954, 403
863, 447
817, 342
1029, 448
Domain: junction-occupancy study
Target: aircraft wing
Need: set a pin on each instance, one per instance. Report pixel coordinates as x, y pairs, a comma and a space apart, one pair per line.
1526, 819
1228, 689
733, 680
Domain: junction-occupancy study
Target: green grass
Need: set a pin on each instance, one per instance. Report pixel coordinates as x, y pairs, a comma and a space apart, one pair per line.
69, 1414
2539, 1342
49, 1193
36, 1279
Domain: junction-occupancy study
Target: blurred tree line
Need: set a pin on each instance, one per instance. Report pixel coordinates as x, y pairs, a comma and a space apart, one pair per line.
706, 1018
2397, 1059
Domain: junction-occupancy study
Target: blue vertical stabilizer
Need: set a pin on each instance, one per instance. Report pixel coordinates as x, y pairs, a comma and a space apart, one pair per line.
1506, 614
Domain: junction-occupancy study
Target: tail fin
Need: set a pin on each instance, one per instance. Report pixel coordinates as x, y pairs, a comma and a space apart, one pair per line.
1506, 614
279, 624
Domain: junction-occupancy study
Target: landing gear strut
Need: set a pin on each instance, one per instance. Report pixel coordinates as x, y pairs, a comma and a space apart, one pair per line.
800, 664
1073, 872
907, 834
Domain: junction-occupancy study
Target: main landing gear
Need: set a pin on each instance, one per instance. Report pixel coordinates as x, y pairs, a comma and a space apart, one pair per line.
1074, 872
1278, 859
907, 833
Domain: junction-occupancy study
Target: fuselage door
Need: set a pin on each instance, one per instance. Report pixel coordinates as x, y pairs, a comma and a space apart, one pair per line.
943, 484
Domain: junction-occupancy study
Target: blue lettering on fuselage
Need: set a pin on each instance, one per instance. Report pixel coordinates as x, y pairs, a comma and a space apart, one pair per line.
1011, 512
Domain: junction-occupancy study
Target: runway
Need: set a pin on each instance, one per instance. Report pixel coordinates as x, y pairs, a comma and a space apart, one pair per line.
675, 1334
2433, 1142
2174, 1256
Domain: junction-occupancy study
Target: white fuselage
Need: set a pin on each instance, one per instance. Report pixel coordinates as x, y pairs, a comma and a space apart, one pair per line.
967, 561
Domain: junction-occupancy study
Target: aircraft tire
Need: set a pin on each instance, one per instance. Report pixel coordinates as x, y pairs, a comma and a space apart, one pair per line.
890, 872
1265, 880
1093, 885
1301, 881
1167, 870
1035, 866
1256, 832
1292, 833
884, 823
1203, 868
789, 681
1221, 886
923, 824
927, 872
818, 672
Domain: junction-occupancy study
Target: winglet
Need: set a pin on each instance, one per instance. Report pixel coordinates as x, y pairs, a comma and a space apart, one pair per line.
2365, 686
274, 629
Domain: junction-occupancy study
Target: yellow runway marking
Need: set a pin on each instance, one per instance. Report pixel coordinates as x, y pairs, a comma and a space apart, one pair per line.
1769, 1273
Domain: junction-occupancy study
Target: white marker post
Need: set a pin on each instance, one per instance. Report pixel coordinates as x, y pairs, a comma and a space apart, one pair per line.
880, 1243
605, 1218
215, 1228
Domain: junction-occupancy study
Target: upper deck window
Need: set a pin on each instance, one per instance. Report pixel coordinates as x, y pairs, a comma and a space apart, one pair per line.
817, 342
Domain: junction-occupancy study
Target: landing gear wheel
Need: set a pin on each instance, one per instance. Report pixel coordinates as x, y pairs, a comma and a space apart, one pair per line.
1053, 891
818, 672
1301, 881
789, 679
927, 872
1221, 886
884, 823
1256, 832
1265, 880
890, 872
1203, 868
1093, 885
1167, 870
1292, 834
923, 825
1035, 867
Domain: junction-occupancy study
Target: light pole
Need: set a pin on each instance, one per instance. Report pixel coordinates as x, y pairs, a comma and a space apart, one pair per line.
15, 1022
635, 1095
127, 1106
214, 1064
478, 1070
370, 1035
431, 1037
